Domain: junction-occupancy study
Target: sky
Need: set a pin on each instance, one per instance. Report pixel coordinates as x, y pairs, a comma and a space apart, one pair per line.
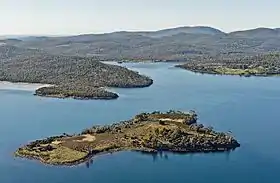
68, 17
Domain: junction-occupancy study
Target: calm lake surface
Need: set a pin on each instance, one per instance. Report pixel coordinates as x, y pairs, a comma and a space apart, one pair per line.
249, 107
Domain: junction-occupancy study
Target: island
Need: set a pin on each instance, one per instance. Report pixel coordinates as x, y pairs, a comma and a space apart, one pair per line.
70, 76
81, 93
172, 131
258, 65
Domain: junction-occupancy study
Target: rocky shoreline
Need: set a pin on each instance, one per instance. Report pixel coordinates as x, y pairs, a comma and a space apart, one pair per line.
61, 93
260, 65
173, 131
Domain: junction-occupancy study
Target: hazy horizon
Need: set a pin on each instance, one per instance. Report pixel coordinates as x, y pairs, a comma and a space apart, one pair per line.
41, 17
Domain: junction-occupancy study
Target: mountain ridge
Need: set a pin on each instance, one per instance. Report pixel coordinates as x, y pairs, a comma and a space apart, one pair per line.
201, 27
173, 44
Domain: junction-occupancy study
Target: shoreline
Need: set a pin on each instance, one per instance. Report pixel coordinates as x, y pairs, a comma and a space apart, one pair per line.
226, 74
84, 159
7, 85
78, 98
120, 62
103, 93
136, 150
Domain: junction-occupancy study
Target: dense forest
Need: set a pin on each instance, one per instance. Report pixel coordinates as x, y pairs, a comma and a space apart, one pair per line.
71, 76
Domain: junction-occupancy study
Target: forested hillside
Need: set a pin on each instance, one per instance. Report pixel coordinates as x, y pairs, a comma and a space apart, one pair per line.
177, 44
72, 76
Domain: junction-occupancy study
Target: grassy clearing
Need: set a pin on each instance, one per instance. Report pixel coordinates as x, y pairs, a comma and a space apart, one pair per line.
59, 155
63, 155
230, 71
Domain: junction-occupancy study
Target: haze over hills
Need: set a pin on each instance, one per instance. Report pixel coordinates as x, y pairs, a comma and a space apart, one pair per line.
174, 44
180, 30
257, 33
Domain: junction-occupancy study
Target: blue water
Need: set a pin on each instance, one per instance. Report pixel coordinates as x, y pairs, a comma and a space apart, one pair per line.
247, 106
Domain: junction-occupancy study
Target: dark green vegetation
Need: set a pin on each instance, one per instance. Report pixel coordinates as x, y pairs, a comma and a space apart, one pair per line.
172, 131
260, 65
72, 76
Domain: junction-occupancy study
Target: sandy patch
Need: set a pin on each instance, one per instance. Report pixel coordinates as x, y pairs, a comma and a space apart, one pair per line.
56, 142
87, 138
4, 85
175, 120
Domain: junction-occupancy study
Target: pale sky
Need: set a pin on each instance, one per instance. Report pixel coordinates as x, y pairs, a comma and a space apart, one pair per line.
64, 17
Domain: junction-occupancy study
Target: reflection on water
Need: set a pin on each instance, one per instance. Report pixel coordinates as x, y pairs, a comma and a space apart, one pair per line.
88, 163
165, 155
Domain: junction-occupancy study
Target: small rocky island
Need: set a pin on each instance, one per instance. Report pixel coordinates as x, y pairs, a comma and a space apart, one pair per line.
259, 65
172, 131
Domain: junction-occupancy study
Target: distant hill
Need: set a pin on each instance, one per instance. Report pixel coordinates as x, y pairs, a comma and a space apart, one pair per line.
175, 44
33, 38
198, 30
2, 37
257, 33
23, 37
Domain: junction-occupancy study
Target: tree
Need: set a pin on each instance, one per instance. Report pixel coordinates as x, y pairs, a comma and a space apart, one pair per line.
157, 131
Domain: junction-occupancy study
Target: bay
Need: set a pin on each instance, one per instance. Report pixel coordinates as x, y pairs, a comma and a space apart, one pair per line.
249, 107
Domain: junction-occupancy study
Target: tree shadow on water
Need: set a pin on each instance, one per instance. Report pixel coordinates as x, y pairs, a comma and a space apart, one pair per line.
165, 155
89, 163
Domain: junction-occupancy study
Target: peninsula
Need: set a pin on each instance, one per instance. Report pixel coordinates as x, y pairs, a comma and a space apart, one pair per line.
259, 65
172, 131
70, 76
